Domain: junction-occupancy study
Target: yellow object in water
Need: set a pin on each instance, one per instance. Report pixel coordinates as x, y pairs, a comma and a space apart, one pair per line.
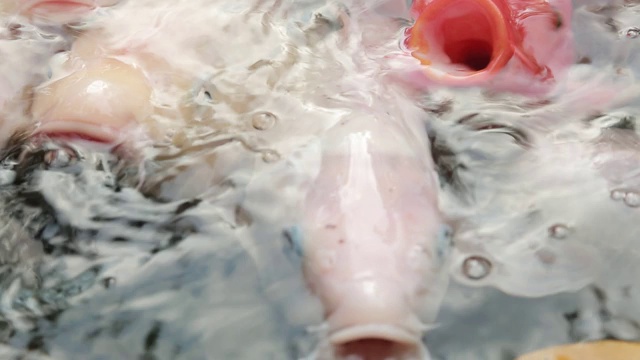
601, 350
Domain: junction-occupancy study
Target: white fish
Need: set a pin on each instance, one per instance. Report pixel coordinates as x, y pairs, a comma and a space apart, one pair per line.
374, 243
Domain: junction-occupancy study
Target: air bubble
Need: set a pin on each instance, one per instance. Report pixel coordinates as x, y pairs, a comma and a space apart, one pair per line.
476, 267
263, 120
630, 198
559, 231
270, 156
617, 195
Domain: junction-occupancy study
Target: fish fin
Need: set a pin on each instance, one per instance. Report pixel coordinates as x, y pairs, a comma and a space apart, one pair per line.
524, 10
542, 8
531, 64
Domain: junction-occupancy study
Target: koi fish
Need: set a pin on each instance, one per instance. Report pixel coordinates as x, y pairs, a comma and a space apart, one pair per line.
58, 11
611, 350
96, 102
506, 45
374, 243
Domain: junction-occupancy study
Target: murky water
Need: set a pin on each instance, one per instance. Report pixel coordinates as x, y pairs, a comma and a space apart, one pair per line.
178, 245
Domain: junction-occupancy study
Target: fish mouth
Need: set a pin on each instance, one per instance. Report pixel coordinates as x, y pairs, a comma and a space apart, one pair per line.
57, 10
62, 129
461, 41
58, 6
377, 342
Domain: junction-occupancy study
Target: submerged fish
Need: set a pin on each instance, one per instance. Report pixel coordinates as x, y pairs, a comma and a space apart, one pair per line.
54, 11
514, 45
97, 102
106, 94
374, 242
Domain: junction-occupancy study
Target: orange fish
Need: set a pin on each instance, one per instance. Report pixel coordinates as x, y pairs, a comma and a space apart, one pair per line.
513, 45
600, 350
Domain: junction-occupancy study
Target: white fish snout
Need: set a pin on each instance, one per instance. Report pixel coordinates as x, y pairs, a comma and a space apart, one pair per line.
375, 322
379, 349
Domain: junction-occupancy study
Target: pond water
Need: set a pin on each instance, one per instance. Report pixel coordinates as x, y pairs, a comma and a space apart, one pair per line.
177, 243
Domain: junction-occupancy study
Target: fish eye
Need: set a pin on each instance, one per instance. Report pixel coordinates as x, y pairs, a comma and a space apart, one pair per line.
445, 233
293, 236
444, 241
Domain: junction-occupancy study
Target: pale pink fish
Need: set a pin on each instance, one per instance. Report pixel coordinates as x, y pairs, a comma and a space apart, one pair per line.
97, 102
103, 93
126, 76
373, 240
56, 11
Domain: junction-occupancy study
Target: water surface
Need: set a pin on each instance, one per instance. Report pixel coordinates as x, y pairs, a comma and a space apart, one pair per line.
176, 249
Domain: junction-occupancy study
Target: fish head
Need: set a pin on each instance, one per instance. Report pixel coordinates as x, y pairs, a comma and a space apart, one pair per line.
491, 42
100, 102
461, 41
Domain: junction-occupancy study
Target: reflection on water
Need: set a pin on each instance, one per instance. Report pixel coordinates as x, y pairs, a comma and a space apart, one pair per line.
179, 245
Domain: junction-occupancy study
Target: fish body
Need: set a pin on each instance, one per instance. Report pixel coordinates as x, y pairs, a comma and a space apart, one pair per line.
505, 45
374, 242
104, 93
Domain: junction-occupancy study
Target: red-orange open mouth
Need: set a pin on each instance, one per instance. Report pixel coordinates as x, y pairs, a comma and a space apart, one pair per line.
50, 7
461, 39
77, 130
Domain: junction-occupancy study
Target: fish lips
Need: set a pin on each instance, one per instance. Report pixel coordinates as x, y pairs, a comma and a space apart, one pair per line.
62, 11
451, 52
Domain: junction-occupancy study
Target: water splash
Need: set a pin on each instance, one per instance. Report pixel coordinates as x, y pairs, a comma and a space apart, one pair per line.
176, 249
